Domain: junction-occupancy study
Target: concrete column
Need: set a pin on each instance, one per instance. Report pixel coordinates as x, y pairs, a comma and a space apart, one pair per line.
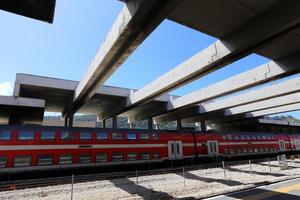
66, 121
104, 123
203, 126
179, 124
150, 124
131, 125
115, 122
70, 121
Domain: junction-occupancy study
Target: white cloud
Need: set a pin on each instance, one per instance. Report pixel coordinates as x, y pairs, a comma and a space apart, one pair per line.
6, 89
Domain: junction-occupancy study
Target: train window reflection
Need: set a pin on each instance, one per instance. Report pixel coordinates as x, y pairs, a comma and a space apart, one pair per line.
117, 136
131, 156
26, 135
116, 157
3, 161
131, 136
145, 156
67, 136
156, 155
47, 135
65, 159
144, 136
101, 157
84, 158
102, 136
5, 135
85, 136
22, 161
155, 136
45, 160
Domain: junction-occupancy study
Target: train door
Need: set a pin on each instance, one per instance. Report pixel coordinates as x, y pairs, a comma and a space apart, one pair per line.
175, 150
213, 147
281, 145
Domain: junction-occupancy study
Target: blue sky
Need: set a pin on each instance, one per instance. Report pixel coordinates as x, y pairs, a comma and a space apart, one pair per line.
65, 48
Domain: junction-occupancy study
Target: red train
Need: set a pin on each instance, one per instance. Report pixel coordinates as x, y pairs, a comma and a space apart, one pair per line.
34, 148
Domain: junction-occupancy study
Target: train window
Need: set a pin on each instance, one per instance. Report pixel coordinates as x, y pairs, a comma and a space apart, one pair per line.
266, 149
258, 137
250, 150
236, 137
145, 156
238, 151
264, 137
47, 135
131, 156
256, 150
156, 155
224, 137
5, 135
67, 135
85, 136
117, 136
101, 157
116, 157
131, 136
155, 136
65, 159
248, 137
229, 137
22, 161
231, 151
144, 136
243, 137
3, 161
102, 136
26, 135
261, 149
254, 137
45, 160
84, 158
245, 150
225, 151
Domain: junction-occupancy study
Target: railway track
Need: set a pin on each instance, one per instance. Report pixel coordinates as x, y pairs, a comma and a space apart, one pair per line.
42, 182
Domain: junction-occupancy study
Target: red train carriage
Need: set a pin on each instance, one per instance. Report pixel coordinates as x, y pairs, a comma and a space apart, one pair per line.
241, 144
32, 148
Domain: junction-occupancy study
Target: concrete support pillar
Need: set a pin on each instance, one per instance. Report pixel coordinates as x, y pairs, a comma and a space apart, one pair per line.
131, 125
150, 124
104, 123
179, 124
70, 120
66, 121
203, 126
115, 122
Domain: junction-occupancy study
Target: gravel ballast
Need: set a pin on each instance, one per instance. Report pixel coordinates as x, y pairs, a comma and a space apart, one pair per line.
189, 185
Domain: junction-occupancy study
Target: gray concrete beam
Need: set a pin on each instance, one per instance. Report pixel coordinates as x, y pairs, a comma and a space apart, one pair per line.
253, 77
265, 104
275, 90
251, 36
135, 22
272, 111
257, 109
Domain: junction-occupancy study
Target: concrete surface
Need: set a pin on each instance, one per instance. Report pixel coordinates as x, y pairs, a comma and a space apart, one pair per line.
286, 190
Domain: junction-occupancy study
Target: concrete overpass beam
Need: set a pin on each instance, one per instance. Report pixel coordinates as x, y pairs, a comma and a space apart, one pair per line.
257, 76
261, 105
272, 111
133, 25
248, 38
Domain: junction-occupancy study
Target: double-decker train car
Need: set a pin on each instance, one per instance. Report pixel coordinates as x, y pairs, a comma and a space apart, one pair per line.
24, 148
